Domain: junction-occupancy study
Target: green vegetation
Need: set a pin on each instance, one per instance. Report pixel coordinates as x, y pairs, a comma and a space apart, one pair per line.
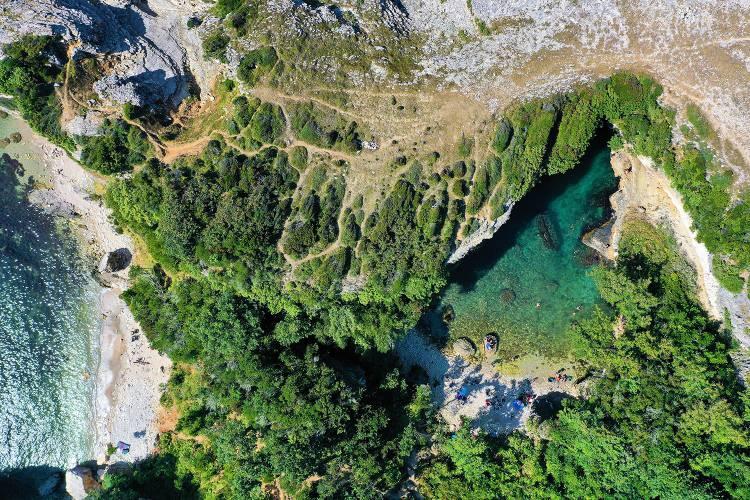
118, 149
27, 74
699, 122
256, 64
314, 221
324, 128
665, 415
215, 45
283, 372
722, 223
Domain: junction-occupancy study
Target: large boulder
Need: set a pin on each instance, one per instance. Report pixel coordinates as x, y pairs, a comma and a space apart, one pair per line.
464, 347
116, 260
80, 481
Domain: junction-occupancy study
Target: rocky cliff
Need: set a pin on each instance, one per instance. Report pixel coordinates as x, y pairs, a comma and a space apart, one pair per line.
646, 192
153, 58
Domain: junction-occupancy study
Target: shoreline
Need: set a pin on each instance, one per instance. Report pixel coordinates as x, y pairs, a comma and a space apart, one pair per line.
129, 374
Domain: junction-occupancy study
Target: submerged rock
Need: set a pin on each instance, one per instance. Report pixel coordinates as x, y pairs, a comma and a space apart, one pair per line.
448, 313
507, 295
547, 232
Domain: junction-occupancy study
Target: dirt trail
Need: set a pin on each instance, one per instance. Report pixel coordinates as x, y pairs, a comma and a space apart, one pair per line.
176, 150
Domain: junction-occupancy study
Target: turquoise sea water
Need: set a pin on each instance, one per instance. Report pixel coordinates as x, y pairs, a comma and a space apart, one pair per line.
48, 329
530, 282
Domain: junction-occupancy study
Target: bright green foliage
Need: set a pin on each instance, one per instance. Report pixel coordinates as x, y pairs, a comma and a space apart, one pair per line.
223, 8
285, 380
314, 222
523, 159
119, 147
298, 158
699, 122
27, 74
324, 128
241, 19
665, 415
256, 64
227, 209
465, 145
485, 179
271, 410
630, 103
728, 274
400, 258
577, 127
503, 135
267, 124
157, 477
723, 225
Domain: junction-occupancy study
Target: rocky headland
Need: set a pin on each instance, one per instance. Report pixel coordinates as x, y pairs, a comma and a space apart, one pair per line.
646, 192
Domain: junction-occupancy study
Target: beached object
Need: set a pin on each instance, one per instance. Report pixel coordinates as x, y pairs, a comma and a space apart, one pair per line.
115, 261
4, 142
16, 137
3, 114
507, 295
123, 447
464, 348
490, 342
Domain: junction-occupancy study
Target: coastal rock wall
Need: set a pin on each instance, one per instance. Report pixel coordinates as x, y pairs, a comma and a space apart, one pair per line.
487, 229
646, 192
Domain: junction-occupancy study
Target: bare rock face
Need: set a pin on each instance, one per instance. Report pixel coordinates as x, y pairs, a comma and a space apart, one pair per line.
464, 348
149, 48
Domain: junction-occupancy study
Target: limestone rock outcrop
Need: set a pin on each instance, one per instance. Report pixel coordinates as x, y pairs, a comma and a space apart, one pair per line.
148, 43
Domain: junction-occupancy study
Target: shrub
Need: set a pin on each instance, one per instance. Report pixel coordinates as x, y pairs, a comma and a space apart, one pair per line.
215, 45
255, 64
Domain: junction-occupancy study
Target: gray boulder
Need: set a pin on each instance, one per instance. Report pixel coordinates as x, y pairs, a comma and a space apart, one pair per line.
464, 347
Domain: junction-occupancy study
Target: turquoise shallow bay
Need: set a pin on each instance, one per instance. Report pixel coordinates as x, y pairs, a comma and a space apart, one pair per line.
524, 288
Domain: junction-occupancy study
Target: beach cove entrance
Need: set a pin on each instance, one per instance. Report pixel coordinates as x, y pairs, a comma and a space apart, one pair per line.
530, 282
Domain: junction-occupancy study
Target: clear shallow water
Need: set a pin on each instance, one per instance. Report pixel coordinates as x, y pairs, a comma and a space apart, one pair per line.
537, 258
48, 327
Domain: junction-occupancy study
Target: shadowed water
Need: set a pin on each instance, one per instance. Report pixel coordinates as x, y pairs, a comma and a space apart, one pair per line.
48, 332
530, 281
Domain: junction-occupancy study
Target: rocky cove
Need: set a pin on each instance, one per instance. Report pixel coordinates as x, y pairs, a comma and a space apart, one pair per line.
529, 280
